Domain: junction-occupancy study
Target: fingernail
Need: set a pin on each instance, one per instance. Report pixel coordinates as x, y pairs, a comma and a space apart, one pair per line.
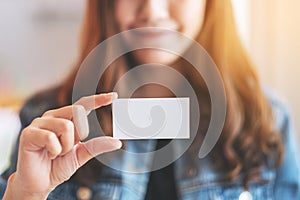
115, 95
117, 143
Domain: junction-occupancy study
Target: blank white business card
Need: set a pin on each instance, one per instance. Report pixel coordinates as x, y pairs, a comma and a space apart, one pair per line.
151, 118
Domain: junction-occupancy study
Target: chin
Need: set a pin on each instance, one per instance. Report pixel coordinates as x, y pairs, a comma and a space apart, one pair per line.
147, 56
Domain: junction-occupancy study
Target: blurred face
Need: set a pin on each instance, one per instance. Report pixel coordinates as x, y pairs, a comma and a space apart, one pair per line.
184, 16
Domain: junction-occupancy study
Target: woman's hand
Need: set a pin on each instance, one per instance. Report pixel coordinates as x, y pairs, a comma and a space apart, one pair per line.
50, 149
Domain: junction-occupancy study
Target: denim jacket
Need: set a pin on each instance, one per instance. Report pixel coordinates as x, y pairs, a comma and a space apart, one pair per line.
193, 182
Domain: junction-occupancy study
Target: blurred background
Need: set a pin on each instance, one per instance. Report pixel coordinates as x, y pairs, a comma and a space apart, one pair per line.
39, 44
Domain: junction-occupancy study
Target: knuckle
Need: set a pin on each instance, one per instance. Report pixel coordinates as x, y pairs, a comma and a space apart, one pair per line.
25, 133
26, 130
83, 99
36, 120
76, 107
49, 137
80, 101
48, 113
67, 126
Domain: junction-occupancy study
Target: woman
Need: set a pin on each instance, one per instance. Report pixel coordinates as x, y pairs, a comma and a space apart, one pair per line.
253, 159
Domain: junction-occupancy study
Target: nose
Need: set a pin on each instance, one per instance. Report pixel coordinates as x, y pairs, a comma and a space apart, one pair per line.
153, 10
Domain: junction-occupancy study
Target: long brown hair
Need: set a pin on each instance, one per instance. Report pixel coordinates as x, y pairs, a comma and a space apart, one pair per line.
248, 139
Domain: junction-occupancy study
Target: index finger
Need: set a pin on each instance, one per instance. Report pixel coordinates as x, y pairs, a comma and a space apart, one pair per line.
96, 101
89, 103
79, 111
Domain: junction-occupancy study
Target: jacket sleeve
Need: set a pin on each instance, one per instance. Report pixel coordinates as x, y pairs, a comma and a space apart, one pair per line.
287, 184
2, 187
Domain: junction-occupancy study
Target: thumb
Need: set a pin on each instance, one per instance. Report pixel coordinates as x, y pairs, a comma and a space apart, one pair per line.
87, 150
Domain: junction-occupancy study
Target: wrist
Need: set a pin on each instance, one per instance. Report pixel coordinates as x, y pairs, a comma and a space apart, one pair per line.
15, 191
